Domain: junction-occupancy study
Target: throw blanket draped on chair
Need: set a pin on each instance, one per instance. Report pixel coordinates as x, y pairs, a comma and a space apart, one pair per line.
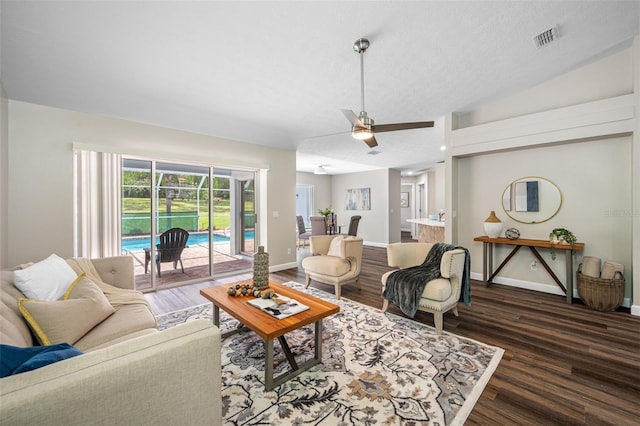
405, 286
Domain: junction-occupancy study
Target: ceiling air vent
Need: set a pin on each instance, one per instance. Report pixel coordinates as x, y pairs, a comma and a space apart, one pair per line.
373, 152
546, 37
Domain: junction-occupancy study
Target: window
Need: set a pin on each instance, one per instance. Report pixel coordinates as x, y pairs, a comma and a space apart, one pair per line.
304, 202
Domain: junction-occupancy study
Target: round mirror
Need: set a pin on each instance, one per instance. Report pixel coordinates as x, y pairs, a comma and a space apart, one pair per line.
531, 199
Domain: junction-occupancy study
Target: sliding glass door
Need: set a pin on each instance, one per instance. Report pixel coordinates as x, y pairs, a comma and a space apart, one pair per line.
247, 214
201, 219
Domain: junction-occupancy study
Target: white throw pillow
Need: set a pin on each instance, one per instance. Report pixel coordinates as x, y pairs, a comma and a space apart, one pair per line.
45, 280
335, 248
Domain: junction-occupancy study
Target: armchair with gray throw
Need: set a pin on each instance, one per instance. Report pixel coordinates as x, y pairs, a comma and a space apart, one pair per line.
335, 260
431, 278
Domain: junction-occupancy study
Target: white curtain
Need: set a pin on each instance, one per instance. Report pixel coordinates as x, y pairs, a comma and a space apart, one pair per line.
97, 206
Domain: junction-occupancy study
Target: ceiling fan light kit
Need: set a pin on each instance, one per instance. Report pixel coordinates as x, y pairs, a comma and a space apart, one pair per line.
360, 133
363, 127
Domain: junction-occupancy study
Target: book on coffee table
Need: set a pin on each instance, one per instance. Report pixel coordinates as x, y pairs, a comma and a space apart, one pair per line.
290, 307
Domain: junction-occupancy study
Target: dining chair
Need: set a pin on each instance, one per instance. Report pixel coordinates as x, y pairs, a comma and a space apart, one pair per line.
353, 225
318, 225
303, 235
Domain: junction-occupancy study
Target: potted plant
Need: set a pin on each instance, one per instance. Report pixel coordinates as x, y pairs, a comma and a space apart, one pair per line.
325, 212
561, 236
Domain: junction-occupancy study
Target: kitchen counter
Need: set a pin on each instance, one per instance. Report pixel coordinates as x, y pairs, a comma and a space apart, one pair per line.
429, 231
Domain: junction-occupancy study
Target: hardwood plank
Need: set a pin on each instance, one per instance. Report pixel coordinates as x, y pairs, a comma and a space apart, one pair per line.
563, 364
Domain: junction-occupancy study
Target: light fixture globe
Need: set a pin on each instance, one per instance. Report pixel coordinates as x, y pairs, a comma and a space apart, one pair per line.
365, 132
361, 133
319, 171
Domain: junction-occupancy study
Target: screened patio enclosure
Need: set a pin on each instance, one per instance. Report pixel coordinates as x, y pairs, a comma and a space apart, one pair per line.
214, 205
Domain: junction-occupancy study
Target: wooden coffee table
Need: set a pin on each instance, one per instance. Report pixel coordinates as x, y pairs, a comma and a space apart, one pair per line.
269, 328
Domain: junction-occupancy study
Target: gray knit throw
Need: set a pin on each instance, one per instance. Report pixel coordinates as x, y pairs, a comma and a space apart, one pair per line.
404, 287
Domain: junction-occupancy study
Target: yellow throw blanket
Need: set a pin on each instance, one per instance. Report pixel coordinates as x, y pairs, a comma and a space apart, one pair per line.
116, 296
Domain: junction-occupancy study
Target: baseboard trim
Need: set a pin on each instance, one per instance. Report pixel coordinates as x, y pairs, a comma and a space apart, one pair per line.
544, 288
282, 267
374, 244
635, 310
529, 285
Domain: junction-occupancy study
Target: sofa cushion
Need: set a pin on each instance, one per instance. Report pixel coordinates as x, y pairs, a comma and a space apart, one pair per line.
438, 289
13, 329
82, 308
14, 360
335, 248
126, 320
45, 280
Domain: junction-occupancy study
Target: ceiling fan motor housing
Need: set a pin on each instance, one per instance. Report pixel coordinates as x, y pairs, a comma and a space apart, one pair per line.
361, 45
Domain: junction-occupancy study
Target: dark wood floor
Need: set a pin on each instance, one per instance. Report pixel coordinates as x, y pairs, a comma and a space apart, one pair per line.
563, 364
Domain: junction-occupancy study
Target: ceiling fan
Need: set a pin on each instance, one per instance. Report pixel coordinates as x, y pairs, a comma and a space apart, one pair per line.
363, 126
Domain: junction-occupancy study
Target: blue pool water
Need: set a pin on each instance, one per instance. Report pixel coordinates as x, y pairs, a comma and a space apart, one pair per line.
140, 243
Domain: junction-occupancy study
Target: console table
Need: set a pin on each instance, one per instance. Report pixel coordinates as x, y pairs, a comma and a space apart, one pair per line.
487, 258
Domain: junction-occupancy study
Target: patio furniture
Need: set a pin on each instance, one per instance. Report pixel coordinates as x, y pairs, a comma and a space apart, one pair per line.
172, 242
303, 235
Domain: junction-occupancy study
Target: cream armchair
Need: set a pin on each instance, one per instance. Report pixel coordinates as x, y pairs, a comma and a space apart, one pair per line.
336, 260
441, 294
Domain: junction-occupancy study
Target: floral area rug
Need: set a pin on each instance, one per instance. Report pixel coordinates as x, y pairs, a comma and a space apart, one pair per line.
377, 368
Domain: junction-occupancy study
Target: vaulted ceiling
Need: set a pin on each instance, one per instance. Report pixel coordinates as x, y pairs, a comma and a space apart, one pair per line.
278, 73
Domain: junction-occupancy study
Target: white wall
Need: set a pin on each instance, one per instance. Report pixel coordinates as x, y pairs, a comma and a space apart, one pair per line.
40, 169
594, 179
380, 225
576, 130
407, 212
612, 76
436, 189
4, 178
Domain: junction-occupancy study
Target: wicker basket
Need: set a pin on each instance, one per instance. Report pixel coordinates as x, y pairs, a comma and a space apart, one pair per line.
599, 293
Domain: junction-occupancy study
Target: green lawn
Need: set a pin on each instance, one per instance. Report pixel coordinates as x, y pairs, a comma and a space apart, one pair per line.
136, 211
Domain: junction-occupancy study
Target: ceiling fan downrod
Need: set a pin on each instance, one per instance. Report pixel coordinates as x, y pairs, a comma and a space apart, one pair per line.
360, 46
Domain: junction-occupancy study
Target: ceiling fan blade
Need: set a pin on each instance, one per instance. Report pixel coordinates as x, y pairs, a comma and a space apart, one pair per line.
400, 126
353, 118
372, 142
326, 135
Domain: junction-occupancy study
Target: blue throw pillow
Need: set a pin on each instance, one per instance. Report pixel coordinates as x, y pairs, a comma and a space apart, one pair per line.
14, 360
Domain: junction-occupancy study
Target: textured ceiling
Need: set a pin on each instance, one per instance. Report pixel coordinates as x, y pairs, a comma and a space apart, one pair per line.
278, 73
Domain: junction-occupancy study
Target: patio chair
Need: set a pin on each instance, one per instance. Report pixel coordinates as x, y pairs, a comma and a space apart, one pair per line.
303, 235
172, 242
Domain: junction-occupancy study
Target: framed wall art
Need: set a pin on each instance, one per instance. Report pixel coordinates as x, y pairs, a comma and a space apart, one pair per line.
358, 199
404, 199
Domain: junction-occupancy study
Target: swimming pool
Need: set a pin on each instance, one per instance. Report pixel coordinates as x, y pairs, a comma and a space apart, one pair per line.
202, 238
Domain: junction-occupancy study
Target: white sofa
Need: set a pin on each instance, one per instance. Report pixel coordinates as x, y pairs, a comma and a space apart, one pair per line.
141, 376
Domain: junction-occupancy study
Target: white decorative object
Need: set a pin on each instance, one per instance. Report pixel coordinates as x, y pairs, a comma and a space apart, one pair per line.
493, 225
45, 280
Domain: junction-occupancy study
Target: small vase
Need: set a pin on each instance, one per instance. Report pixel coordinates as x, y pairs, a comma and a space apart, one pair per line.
261, 269
493, 225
